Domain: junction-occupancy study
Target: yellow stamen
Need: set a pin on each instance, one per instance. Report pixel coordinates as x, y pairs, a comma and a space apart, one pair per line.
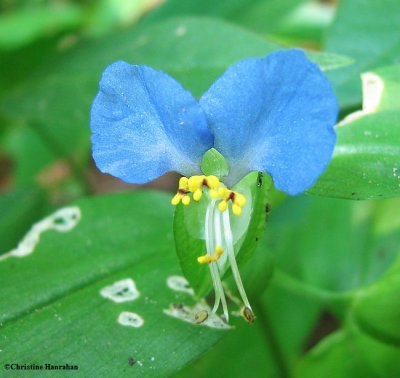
213, 182
195, 183
197, 194
183, 183
236, 209
176, 199
213, 193
240, 199
224, 192
219, 251
207, 259
193, 186
186, 200
222, 206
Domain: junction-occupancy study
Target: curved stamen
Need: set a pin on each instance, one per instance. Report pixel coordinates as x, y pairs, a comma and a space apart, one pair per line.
247, 312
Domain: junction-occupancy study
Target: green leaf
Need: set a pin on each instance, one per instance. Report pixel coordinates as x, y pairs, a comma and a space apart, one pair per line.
52, 309
329, 61
290, 318
18, 209
189, 225
266, 17
350, 354
261, 16
241, 352
305, 25
377, 308
30, 152
224, 9
329, 249
371, 41
365, 163
23, 26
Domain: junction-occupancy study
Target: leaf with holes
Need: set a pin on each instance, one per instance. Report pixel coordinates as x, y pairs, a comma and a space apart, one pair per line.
96, 295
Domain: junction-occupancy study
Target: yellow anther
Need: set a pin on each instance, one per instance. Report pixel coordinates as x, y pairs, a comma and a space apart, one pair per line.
240, 199
224, 192
186, 200
207, 259
195, 183
219, 251
197, 194
183, 183
213, 193
182, 193
193, 186
176, 199
213, 182
222, 206
237, 210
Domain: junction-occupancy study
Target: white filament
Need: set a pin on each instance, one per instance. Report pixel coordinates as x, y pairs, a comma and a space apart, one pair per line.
211, 243
231, 255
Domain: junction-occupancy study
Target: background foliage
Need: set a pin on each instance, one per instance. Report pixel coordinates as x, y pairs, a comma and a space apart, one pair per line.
325, 278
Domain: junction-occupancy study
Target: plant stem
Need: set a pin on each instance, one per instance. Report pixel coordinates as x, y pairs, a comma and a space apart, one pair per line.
324, 296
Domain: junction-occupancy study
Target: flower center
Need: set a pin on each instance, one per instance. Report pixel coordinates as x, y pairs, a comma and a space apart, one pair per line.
194, 186
218, 236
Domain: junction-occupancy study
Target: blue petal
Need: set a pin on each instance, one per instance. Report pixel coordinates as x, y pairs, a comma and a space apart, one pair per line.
144, 124
275, 115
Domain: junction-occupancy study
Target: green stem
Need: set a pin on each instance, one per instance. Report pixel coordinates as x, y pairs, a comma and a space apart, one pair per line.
326, 297
272, 340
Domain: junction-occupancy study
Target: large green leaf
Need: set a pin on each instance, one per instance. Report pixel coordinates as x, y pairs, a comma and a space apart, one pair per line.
52, 310
366, 31
294, 20
263, 16
365, 162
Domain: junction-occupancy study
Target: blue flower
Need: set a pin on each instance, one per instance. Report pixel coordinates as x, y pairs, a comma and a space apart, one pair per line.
275, 115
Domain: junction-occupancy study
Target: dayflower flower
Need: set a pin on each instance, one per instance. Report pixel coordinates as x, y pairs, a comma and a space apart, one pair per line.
274, 114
